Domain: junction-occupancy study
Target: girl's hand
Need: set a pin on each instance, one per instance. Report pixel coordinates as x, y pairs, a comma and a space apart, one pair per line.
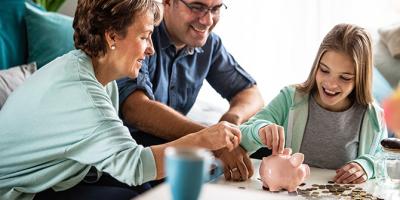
350, 173
273, 136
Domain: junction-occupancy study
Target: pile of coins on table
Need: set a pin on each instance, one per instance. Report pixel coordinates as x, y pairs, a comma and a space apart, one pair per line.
332, 191
341, 191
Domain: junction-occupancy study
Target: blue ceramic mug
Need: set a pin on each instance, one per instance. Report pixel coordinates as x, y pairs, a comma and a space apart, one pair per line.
187, 169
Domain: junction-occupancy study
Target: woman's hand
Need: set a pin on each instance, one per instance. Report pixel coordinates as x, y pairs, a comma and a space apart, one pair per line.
350, 173
221, 135
273, 136
216, 137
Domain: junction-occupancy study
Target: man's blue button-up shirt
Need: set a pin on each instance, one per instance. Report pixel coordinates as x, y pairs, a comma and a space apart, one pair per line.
175, 78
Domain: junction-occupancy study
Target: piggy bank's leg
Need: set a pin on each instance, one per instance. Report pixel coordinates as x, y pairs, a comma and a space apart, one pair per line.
292, 189
274, 188
265, 186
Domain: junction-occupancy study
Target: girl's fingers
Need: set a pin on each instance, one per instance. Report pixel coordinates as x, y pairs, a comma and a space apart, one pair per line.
361, 179
341, 171
275, 140
281, 140
262, 134
268, 138
353, 177
346, 175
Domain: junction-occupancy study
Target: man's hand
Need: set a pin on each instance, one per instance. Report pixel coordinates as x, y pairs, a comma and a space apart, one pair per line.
237, 164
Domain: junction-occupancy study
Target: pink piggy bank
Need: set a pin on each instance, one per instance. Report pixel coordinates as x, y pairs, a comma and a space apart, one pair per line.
283, 171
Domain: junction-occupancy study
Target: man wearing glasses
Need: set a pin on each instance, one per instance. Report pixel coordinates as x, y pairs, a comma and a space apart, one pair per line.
154, 105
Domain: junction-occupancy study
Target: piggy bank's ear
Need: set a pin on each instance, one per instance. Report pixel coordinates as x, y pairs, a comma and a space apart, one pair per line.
287, 151
297, 159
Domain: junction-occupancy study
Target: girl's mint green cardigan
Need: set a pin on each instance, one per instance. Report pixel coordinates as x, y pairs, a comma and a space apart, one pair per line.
290, 110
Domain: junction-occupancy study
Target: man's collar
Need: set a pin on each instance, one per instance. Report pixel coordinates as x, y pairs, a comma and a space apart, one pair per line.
166, 41
164, 37
191, 50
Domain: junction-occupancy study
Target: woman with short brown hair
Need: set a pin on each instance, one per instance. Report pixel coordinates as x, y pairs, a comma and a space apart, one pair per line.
68, 141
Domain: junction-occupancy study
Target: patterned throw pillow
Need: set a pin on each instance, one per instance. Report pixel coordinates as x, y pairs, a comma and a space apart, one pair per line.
11, 78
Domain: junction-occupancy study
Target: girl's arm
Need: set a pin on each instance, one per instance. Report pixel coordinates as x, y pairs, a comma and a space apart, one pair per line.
275, 112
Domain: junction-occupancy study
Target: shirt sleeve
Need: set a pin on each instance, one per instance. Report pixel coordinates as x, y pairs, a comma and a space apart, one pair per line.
274, 113
111, 149
127, 86
369, 158
226, 76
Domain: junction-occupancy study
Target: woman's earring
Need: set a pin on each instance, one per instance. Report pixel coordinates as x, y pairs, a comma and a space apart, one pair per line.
113, 46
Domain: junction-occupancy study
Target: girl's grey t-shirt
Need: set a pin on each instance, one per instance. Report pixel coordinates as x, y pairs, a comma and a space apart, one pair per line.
331, 138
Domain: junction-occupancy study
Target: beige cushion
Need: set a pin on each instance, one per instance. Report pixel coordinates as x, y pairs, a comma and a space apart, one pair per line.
11, 78
390, 36
388, 66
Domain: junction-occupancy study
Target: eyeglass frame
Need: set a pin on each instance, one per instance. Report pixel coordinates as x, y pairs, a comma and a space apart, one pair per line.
215, 10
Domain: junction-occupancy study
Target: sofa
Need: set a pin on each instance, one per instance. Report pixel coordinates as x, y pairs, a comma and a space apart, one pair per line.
30, 37
386, 60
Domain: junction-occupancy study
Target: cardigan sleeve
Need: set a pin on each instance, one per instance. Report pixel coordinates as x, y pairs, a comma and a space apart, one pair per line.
112, 150
275, 112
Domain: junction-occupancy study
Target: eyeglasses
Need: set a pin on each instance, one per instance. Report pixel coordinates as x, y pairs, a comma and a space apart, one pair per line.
202, 10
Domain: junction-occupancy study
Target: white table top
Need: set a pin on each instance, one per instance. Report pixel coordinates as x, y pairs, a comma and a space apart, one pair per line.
252, 188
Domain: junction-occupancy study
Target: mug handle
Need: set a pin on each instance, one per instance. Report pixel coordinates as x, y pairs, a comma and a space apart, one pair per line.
216, 171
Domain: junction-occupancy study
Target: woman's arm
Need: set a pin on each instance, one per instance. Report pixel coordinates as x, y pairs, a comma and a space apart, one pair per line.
215, 137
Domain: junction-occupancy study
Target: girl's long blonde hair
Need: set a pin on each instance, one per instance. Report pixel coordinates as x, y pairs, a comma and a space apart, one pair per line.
355, 42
